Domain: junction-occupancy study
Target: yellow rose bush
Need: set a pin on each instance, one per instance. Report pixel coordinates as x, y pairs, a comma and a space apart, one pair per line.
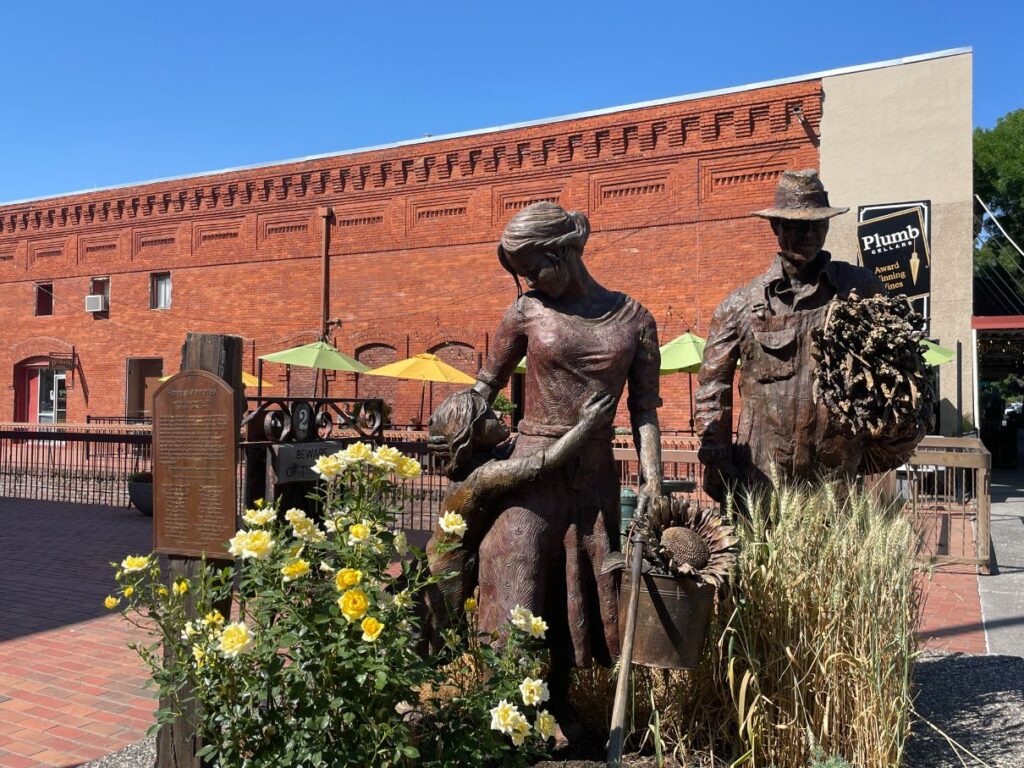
309, 648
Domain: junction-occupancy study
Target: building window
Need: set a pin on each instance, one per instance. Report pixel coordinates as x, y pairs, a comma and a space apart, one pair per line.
44, 299
160, 290
99, 286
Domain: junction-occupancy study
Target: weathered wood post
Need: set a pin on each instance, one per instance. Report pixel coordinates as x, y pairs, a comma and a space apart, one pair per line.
195, 440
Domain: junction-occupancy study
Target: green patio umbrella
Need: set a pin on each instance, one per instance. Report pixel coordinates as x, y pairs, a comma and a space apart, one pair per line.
684, 354
934, 354
319, 354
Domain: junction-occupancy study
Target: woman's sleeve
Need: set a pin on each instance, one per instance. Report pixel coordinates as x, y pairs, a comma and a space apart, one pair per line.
507, 349
499, 477
645, 370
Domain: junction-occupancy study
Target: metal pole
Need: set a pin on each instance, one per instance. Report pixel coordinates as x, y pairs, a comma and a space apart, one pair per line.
959, 390
325, 213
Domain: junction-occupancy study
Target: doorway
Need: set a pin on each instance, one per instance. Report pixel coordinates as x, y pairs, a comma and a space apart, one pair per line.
142, 379
41, 393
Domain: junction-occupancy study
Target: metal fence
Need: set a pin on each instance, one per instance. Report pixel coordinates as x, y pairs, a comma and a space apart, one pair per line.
76, 463
945, 485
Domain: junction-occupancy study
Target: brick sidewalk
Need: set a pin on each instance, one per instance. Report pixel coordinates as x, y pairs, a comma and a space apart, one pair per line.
71, 690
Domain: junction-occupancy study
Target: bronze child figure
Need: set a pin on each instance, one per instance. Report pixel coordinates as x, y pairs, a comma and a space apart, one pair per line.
471, 434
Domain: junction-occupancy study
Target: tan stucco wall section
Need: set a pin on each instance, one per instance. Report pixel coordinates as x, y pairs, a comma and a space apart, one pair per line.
904, 133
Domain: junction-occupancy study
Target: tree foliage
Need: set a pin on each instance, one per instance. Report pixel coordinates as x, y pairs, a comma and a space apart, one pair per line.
999, 181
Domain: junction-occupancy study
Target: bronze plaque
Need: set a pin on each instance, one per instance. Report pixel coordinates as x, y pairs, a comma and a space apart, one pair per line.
195, 442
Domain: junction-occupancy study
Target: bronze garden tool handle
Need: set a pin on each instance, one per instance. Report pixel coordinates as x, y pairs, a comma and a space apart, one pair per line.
617, 734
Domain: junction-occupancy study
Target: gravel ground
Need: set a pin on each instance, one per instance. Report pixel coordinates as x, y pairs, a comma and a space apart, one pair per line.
977, 700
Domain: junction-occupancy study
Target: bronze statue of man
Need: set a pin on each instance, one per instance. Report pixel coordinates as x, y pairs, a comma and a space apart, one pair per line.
763, 332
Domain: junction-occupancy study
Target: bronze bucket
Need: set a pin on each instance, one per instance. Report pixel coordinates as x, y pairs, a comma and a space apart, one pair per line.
672, 620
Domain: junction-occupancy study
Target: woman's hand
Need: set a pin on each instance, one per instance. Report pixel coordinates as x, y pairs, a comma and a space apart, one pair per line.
598, 411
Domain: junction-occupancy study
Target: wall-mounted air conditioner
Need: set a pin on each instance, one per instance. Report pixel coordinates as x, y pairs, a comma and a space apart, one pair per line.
96, 303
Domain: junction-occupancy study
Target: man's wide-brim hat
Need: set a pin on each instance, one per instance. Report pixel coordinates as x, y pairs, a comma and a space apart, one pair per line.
800, 196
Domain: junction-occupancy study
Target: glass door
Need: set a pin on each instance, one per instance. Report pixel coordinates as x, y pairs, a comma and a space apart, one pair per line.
53, 396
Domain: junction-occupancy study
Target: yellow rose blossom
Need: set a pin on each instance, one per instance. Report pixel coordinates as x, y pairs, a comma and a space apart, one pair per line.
162, 591
128, 591
199, 655
453, 523
353, 604
545, 724
520, 618
470, 604
294, 514
296, 569
358, 452
503, 715
329, 467
259, 516
408, 468
257, 544
111, 602
347, 578
520, 729
180, 588
371, 629
134, 563
235, 640
259, 503
358, 533
538, 627
401, 544
534, 691
386, 457
214, 617
307, 530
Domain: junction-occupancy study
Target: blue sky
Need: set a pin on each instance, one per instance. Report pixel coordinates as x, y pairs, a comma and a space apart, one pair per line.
104, 93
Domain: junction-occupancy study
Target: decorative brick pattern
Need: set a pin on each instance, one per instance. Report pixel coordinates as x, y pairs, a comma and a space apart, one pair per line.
668, 190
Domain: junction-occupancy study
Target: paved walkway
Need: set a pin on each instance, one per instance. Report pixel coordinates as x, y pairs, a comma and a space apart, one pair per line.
71, 690
1002, 594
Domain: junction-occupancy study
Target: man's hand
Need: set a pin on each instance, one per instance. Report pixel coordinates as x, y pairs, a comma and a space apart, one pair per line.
719, 470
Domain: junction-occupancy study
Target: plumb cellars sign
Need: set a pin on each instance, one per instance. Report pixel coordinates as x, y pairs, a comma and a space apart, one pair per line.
893, 240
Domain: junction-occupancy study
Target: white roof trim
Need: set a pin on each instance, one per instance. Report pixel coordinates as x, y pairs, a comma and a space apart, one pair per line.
525, 124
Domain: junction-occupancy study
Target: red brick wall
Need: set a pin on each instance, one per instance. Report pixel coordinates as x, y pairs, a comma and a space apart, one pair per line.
668, 190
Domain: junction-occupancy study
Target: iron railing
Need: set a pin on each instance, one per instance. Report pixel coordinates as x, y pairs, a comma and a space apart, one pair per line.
945, 484
946, 487
76, 463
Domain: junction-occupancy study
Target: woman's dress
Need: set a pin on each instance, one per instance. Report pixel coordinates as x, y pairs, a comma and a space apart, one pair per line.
549, 538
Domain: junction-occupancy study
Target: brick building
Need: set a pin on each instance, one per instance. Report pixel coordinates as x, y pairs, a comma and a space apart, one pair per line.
668, 186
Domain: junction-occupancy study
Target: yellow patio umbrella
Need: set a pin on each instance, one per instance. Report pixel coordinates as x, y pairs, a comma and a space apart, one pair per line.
423, 367
248, 380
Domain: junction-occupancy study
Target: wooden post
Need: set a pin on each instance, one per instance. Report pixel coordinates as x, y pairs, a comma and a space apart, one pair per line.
983, 493
177, 743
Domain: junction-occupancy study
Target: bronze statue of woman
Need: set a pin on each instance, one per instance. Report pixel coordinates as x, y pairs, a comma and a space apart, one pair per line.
548, 540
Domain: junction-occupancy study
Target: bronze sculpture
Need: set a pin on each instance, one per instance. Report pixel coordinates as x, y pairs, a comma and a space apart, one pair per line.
545, 547
767, 326
480, 470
